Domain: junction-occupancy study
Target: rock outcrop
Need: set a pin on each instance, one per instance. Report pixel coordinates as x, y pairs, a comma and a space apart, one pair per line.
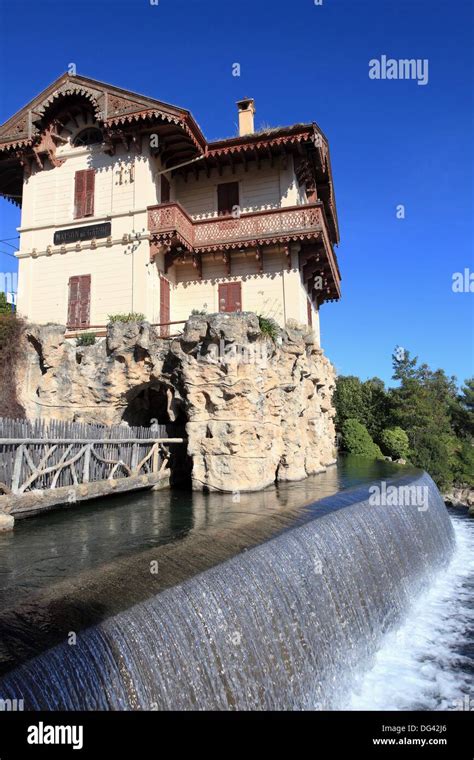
460, 496
256, 409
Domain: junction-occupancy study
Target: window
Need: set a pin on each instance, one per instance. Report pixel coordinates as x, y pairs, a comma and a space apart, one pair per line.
230, 296
79, 302
165, 190
227, 197
84, 193
89, 136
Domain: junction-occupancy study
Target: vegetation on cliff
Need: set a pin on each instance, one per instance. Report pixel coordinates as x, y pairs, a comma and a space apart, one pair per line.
11, 328
425, 419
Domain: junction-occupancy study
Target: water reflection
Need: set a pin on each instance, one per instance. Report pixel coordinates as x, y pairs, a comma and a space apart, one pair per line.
64, 543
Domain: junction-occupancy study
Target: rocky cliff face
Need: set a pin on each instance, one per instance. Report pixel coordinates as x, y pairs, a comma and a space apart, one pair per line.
255, 410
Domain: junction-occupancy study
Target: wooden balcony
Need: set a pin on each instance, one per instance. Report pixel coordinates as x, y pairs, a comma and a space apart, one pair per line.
171, 227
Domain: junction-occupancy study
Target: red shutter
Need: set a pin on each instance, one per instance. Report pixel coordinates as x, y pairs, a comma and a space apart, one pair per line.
79, 305
90, 187
164, 305
79, 194
84, 193
227, 197
230, 296
165, 190
73, 302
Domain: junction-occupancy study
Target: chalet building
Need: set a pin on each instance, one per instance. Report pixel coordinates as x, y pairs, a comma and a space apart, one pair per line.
125, 206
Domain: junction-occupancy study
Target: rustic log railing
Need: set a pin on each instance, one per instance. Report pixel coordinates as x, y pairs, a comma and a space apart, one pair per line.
100, 331
79, 461
81, 455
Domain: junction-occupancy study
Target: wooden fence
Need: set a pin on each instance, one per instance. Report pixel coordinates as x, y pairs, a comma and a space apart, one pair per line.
50, 455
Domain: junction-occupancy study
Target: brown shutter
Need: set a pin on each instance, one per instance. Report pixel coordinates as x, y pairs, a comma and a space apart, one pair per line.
227, 197
79, 194
310, 314
230, 296
90, 188
164, 305
85, 300
165, 190
79, 304
73, 301
84, 193
235, 296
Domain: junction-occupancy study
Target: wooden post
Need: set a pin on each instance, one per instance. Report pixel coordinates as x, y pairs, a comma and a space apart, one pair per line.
17, 469
156, 458
87, 462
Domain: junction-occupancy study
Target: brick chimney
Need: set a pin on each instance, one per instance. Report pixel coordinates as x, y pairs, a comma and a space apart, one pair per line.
246, 114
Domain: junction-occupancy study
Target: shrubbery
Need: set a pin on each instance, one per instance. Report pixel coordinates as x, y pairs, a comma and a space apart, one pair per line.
357, 440
86, 339
425, 418
11, 328
132, 316
394, 443
268, 327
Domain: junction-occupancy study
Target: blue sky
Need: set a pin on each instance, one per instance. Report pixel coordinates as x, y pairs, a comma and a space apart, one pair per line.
392, 142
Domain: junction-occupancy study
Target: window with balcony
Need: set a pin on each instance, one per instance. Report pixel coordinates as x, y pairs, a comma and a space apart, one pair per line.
227, 197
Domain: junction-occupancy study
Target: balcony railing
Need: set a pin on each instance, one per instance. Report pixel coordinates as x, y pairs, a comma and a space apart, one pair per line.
170, 225
170, 220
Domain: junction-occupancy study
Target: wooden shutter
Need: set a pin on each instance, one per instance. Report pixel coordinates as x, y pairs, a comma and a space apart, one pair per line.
165, 190
310, 314
84, 193
230, 296
79, 305
227, 197
164, 305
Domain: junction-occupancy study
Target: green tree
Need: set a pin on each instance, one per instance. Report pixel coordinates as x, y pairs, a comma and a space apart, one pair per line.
463, 465
366, 402
424, 405
394, 443
5, 307
357, 440
463, 410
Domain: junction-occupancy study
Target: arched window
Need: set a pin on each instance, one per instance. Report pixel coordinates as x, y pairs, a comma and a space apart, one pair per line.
89, 136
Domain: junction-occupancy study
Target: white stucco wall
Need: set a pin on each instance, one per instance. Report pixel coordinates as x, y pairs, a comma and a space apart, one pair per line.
122, 277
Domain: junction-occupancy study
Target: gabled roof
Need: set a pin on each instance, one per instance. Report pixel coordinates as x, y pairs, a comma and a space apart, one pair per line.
113, 106
32, 132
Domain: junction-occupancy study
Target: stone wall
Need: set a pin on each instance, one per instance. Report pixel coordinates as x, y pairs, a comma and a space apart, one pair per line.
256, 410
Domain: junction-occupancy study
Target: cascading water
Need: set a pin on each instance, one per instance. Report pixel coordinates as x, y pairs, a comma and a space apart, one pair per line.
285, 625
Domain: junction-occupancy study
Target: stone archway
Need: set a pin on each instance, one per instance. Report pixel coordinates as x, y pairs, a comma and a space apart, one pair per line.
158, 404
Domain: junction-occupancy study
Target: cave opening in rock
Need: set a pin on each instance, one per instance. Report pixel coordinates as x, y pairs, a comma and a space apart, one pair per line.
158, 405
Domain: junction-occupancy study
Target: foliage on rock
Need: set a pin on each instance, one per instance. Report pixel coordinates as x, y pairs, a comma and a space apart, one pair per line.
268, 327
132, 316
11, 329
86, 339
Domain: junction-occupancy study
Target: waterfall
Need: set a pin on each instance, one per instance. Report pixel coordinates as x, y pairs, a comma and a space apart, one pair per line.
284, 625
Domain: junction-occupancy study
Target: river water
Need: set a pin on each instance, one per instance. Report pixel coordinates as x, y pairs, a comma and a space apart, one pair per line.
304, 596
